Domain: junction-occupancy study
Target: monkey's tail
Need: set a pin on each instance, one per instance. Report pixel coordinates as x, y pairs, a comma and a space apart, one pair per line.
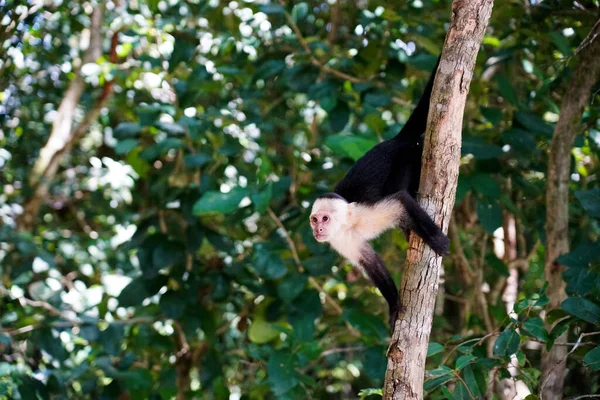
375, 269
417, 122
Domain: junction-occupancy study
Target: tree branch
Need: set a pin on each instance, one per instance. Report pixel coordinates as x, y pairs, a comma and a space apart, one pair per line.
63, 137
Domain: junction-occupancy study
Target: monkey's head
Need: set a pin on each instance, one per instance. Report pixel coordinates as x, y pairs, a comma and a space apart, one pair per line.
328, 215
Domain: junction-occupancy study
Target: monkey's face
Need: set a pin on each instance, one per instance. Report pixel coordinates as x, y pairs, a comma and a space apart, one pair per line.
326, 218
320, 223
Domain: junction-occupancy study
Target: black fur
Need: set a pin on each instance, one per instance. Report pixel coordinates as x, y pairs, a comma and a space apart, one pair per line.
393, 168
392, 165
373, 265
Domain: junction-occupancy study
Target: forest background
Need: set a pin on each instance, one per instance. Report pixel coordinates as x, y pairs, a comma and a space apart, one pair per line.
157, 164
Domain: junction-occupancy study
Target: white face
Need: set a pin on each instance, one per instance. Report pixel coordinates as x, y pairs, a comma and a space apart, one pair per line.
326, 218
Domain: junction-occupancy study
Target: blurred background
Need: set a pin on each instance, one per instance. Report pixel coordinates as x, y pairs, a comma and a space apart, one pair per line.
157, 164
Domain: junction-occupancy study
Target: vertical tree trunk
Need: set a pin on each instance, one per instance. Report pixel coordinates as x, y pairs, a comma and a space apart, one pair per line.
584, 75
441, 157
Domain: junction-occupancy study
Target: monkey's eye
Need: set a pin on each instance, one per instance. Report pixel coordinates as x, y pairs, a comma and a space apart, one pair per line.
325, 218
315, 220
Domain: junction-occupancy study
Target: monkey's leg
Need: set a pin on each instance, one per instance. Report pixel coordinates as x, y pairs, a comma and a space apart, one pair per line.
373, 266
417, 220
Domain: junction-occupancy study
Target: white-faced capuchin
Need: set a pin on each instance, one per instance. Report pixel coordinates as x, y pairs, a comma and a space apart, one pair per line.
378, 194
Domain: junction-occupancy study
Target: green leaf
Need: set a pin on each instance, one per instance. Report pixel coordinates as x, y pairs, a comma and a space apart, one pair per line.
217, 202
133, 294
299, 12
490, 215
127, 130
507, 343
534, 123
497, 265
375, 123
166, 254
303, 313
281, 370
183, 50
125, 146
368, 324
339, 116
197, 160
485, 185
172, 303
269, 69
5, 339
487, 364
463, 361
480, 149
375, 362
561, 42
267, 263
442, 375
558, 329
170, 128
554, 315
140, 166
521, 140
535, 327
261, 331
506, 89
583, 309
471, 379
494, 115
139, 381
272, 9
590, 200
377, 99
353, 147
291, 287
591, 359
262, 199
434, 348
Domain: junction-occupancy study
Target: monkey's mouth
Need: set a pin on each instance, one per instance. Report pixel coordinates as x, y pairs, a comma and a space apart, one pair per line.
320, 237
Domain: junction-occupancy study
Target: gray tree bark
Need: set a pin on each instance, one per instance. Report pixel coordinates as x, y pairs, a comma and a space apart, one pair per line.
585, 73
439, 176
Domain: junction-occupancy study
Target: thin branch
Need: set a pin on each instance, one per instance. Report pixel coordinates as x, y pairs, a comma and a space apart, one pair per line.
294, 251
464, 267
577, 344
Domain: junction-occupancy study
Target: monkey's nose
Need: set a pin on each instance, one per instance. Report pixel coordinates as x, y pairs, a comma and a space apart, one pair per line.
320, 230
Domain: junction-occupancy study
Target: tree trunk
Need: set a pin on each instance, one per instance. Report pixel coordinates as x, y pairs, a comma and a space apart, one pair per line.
63, 136
441, 157
584, 75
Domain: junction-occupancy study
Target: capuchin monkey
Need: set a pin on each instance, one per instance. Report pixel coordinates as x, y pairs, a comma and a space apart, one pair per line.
378, 194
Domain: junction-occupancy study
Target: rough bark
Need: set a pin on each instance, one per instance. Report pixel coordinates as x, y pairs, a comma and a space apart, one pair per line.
441, 157
584, 75
63, 136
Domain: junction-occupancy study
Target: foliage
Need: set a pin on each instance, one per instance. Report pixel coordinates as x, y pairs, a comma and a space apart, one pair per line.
173, 252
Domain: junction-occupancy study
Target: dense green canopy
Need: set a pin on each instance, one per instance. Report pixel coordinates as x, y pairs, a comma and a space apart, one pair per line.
172, 252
